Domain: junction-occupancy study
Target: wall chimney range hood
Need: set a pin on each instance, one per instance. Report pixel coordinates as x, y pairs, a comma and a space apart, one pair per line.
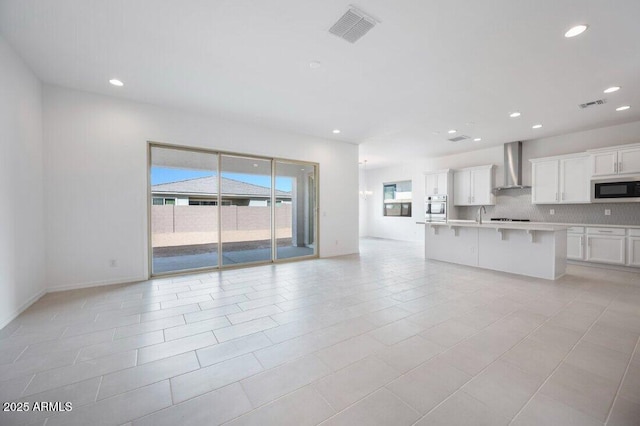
512, 167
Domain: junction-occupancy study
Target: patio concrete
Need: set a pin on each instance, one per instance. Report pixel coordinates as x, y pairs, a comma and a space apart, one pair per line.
209, 259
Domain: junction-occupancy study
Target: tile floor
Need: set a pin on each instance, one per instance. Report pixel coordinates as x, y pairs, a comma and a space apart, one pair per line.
379, 338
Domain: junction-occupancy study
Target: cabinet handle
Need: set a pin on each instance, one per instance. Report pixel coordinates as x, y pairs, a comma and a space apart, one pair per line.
620, 167
615, 167
556, 196
606, 232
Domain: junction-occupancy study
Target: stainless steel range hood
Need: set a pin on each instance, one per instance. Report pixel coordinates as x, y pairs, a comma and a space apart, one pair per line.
512, 167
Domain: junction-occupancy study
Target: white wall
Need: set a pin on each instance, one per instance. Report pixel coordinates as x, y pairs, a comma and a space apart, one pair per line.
96, 180
395, 228
22, 238
375, 225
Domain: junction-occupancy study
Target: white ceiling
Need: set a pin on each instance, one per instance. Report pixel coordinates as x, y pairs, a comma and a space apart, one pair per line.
429, 66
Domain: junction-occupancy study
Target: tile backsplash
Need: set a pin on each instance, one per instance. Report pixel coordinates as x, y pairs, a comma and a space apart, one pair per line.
516, 204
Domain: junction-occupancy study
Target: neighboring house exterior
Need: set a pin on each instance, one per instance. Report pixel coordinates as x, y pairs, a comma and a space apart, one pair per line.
204, 192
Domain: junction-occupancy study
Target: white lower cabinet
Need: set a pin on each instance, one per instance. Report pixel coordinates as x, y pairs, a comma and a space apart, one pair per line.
617, 246
633, 247
575, 243
606, 245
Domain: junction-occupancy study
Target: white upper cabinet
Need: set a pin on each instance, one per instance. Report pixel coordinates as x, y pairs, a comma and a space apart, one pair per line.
481, 187
618, 160
473, 186
560, 180
437, 183
575, 184
462, 188
431, 184
629, 160
604, 163
544, 182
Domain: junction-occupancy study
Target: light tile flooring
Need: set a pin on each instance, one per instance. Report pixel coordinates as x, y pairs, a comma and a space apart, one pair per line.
380, 338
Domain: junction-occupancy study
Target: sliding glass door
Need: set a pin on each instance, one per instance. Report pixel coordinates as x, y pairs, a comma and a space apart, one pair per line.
211, 209
295, 209
184, 212
245, 209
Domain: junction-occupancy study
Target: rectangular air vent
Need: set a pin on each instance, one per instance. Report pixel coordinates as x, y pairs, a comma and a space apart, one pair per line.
593, 103
352, 25
459, 138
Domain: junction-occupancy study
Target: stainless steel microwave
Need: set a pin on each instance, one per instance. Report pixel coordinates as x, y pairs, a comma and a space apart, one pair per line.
616, 190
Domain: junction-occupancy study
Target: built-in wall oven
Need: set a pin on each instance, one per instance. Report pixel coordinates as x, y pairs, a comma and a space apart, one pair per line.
435, 208
616, 190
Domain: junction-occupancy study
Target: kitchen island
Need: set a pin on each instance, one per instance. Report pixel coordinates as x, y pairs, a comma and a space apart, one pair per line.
532, 249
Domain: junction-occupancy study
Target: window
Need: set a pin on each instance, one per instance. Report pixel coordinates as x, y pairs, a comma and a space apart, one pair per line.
160, 201
389, 191
397, 198
197, 202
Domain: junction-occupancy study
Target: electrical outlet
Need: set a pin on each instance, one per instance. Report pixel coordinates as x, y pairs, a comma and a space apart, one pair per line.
607, 212
113, 263
552, 211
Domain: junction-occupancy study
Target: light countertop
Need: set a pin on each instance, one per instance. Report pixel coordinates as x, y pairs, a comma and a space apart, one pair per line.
526, 226
523, 225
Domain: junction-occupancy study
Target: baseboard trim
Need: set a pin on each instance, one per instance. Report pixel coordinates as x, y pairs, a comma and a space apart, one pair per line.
36, 297
128, 280
33, 299
611, 266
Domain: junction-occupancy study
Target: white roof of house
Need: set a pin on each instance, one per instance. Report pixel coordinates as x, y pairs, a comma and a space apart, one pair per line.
209, 186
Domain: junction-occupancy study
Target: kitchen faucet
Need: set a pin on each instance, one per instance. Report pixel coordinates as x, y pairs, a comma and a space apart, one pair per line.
479, 215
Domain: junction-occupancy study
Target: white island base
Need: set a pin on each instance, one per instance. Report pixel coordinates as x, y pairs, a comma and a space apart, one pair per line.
534, 250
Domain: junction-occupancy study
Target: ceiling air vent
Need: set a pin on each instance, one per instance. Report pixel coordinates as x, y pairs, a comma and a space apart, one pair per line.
352, 25
459, 138
593, 103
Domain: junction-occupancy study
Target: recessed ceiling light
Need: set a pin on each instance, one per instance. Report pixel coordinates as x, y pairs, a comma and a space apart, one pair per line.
623, 108
452, 131
477, 139
314, 65
612, 89
255, 164
116, 82
515, 114
536, 126
336, 131
577, 30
